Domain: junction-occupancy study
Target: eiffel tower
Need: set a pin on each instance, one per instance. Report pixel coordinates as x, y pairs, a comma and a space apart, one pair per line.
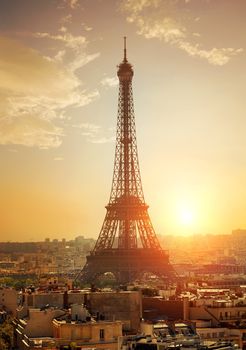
127, 221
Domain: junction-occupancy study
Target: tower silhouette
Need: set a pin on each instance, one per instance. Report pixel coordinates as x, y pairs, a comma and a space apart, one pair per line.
127, 221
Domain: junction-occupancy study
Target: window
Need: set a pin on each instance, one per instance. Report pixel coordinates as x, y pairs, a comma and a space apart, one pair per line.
101, 334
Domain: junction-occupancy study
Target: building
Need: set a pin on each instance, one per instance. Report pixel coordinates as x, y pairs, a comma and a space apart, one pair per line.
8, 300
169, 336
84, 331
34, 326
53, 328
125, 306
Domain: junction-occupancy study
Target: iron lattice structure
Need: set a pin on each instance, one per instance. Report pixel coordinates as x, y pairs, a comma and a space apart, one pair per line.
127, 220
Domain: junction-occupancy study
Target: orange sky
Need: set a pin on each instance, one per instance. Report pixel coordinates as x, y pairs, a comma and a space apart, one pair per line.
58, 108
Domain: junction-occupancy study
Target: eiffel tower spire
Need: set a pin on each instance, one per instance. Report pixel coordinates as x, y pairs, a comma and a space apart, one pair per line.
125, 59
127, 220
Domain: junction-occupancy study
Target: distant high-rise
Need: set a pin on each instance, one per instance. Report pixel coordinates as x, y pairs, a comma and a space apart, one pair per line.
127, 220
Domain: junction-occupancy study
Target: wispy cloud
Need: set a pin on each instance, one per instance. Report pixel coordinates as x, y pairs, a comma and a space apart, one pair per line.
86, 27
159, 19
35, 91
95, 133
88, 129
67, 19
110, 81
103, 140
71, 41
73, 4
73, 52
214, 56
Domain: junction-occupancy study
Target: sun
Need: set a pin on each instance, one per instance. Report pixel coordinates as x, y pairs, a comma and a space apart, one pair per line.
184, 214
186, 217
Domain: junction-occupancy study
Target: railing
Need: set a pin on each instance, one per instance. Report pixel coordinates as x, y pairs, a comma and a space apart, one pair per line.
130, 252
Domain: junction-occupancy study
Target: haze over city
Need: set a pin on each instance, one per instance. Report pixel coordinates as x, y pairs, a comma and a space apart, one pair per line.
58, 112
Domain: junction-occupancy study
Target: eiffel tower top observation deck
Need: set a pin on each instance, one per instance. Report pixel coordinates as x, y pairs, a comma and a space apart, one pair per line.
127, 221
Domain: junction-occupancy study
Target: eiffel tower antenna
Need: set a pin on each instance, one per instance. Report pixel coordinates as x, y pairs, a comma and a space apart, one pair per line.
125, 59
127, 222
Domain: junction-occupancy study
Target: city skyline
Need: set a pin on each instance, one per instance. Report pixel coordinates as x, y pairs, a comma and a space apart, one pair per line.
58, 112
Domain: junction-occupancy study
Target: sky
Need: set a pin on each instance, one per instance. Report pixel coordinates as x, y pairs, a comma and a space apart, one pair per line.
58, 110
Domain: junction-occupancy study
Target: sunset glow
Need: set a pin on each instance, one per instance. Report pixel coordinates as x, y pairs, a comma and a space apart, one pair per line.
58, 112
186, 217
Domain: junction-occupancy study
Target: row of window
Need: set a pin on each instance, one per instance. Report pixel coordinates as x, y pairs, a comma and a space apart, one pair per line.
228, 314
213, 335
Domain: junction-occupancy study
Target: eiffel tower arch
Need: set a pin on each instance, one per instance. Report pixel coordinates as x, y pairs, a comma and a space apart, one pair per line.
127, 221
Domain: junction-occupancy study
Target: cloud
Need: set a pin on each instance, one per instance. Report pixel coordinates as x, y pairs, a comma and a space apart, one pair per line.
58, 158
103, 140
71, 41
67, 19
34, 94
80, 61
95, 133
214, 56
86, 27
73, 4
29, 130
110, 82
160, 19
73, 52
89, 129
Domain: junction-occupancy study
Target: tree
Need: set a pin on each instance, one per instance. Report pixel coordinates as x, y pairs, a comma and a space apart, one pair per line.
6, 335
